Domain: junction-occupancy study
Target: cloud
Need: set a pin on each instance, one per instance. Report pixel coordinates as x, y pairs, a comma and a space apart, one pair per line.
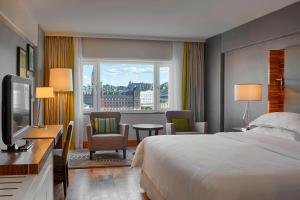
113, 71
138, 70
119, 70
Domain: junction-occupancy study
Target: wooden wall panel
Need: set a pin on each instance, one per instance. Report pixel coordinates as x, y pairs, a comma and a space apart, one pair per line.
276, 81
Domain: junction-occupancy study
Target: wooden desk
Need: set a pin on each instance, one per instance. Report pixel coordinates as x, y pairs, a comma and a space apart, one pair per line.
27, 162
54, 132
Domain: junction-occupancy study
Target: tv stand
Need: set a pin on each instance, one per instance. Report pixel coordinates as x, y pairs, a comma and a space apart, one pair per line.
28, 175
26, 144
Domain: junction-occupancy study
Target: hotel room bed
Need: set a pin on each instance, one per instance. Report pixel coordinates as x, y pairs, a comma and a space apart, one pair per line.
258, 164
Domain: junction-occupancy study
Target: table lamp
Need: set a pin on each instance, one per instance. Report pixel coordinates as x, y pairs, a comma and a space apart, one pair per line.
247, 92
61, 80
42, 93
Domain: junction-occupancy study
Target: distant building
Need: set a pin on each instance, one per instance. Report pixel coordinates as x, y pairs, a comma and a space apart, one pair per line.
88, 97
119, 102
134, 96
146, 98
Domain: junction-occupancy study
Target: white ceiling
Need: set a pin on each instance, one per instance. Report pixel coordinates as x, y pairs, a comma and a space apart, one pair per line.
173, 19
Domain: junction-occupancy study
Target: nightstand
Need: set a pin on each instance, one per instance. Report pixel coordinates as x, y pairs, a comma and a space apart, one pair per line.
239, 129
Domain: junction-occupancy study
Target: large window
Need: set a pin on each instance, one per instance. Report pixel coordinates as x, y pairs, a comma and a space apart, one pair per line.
125, 86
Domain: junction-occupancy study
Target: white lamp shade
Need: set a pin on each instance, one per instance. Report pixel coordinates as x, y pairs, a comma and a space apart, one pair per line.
248, 92
44, 92
61, 79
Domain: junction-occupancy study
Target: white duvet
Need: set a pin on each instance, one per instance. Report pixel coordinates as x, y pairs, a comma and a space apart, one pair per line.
225, 166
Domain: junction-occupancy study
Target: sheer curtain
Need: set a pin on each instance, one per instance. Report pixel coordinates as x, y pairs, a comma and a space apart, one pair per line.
78, 114
176, 76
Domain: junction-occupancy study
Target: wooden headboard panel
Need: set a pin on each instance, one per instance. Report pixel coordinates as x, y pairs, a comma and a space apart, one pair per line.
276, 81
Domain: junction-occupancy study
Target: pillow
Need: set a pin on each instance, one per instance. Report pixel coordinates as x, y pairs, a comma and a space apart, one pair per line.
283, 120
105, 125
181, 125
282, 133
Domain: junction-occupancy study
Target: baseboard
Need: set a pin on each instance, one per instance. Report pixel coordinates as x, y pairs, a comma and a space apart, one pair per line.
85, 144
130, 143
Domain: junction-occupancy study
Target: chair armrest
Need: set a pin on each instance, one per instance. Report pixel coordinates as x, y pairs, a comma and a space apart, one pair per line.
170, 129
201, 127
89, 132
124, 130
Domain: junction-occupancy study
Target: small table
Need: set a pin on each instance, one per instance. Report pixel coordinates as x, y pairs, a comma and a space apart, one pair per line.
146, 127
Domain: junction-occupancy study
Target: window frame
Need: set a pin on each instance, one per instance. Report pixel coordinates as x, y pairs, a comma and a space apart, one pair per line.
157, 64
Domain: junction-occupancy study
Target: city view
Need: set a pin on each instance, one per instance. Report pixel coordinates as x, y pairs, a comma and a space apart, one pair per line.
124, 87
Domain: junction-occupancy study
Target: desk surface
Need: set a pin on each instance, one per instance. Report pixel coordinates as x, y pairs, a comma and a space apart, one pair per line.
27, 162
49, 132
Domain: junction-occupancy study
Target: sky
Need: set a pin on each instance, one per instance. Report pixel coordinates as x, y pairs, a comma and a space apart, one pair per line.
120, 74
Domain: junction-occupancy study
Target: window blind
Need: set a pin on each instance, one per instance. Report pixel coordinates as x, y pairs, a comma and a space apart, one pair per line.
126, 49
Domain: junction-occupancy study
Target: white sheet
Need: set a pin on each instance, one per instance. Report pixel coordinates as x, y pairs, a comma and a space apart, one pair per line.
222, 166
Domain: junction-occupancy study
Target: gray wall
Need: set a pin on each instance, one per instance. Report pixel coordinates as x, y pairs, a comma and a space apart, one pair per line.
292, 79
213, 93
250, 65
277, 24
9, 40
246, 60
39, 69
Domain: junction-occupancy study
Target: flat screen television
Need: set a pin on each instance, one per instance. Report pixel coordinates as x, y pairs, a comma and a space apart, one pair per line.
16, 109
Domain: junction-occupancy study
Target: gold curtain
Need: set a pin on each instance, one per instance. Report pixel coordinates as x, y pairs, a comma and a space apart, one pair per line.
185, 78
193, 79
59, 53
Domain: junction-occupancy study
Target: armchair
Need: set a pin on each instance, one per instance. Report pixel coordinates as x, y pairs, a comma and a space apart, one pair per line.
107, 141
194, 127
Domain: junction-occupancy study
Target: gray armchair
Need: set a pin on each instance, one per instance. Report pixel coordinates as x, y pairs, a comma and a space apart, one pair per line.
195, 127
107, 141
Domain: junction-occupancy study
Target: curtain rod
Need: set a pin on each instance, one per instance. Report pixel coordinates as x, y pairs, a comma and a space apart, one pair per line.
173, 39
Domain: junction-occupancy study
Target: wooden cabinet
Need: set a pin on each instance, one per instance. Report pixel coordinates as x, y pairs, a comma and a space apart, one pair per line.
33, 179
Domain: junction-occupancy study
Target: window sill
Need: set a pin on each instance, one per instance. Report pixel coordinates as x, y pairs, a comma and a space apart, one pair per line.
131, 112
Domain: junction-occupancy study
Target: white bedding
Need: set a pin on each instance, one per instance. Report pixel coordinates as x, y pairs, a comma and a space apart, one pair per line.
221, 166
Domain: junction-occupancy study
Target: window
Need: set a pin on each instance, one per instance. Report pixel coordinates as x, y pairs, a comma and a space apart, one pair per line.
164, 87
88, 86
125, 86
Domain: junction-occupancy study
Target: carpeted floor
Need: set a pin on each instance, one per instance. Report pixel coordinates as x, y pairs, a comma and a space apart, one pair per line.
80, 159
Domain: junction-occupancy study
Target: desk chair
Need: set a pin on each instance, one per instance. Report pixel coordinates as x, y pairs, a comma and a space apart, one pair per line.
61, 159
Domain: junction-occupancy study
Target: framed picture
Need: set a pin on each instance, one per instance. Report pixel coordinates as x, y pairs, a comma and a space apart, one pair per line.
30, 57
21, 62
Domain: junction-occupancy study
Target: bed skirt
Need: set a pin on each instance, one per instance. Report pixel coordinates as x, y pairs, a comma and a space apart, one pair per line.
150, 188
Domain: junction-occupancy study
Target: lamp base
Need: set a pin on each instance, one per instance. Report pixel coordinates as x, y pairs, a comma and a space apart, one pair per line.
246, 116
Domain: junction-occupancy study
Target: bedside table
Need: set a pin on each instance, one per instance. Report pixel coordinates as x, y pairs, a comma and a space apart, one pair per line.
239, 129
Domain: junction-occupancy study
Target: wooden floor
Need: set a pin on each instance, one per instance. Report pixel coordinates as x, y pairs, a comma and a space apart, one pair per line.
118, 183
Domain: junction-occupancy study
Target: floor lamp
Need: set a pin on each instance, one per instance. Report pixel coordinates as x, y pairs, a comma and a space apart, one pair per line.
247, 92
42, 93
61, 80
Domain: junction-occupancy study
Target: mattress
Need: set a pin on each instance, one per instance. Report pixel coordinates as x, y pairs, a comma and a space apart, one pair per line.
221, 166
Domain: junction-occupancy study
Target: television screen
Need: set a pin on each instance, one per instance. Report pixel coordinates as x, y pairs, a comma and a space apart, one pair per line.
20, 107
16, 108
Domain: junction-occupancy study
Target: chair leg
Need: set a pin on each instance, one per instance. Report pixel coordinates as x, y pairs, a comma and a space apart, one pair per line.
67, 173
65, 183
91, 155
124, 153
